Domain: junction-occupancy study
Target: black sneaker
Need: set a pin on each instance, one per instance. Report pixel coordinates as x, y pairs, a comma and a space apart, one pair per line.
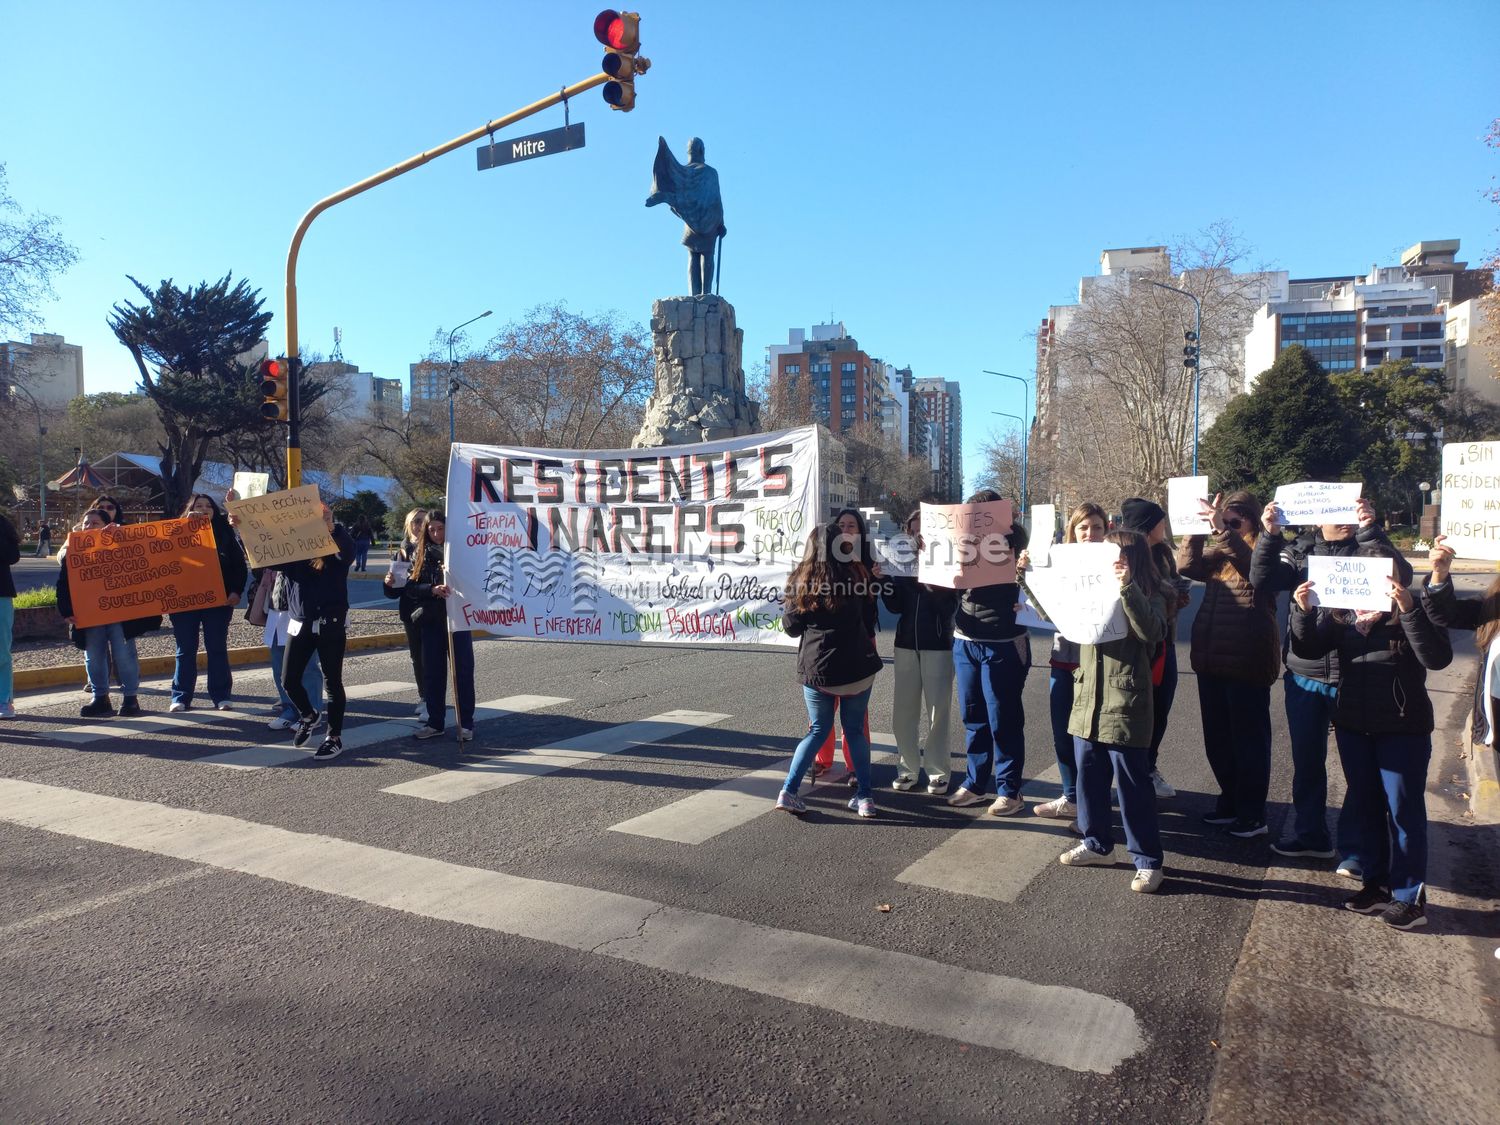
1217, 819
98, 709
305, 727
1249, 829
1299, 848
332, 747
1404, 915
1370, 900
130, 706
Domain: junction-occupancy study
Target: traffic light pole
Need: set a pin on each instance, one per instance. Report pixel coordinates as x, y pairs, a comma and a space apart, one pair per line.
294, 378
1197, 367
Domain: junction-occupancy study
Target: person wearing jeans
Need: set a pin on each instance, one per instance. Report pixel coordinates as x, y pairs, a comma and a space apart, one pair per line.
276, 639
99, 642
212, 623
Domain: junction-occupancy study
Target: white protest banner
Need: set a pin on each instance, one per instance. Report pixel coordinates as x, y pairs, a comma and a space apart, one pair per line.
1080, 592
249, 485
1350, 581
1317, 502
282, 527
1043, 529
964, 545
685, 543
1183, 497
1471, 498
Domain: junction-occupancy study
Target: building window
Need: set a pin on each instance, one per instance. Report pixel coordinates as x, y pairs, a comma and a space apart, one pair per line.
848, 368
793, 369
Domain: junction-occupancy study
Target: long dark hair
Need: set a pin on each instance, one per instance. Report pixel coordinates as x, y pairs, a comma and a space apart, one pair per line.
866, 547
821, 580
1137, 552
1489, 616
419, 557
187, 509
104, 498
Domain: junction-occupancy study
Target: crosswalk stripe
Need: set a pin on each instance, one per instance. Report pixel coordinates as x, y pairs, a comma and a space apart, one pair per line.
368, 734
484, 774
1055, 1024
977, 860
737, 801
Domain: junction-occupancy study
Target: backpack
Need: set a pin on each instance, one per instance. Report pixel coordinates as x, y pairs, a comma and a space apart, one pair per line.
279, 597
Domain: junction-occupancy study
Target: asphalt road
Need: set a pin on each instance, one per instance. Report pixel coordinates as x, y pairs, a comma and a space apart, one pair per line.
186, 937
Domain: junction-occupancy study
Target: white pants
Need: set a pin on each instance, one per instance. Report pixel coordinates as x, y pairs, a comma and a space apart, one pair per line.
924, 685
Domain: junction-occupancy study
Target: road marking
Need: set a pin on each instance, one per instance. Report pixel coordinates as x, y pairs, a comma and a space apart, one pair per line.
367, 734
996, 857
148, 723
517, 765
74, 909
737, 801
1057, 1025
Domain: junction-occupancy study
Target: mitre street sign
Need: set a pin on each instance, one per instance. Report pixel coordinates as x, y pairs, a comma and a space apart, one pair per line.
513, 150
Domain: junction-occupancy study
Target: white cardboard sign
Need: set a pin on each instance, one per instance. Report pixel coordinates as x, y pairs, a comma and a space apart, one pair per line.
1351, 581
1471, 498
1183, 496
1308, 503
1043, 528
1080, 592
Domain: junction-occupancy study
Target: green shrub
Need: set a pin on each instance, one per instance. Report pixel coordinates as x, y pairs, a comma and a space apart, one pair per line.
34, 599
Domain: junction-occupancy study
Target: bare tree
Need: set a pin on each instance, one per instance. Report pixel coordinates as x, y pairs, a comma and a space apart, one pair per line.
879, 474
1002, 463
32, 254
786, 401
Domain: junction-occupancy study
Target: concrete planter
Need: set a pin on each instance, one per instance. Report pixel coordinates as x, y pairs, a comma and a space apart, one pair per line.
41, 623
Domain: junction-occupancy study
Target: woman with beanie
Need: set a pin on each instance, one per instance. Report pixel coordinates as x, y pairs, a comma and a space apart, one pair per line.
1236, 654
924, 672
991, 656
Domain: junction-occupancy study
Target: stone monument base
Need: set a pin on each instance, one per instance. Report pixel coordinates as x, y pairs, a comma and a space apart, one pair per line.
700, 378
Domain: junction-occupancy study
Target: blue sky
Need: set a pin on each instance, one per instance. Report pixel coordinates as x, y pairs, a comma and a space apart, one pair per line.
933, 175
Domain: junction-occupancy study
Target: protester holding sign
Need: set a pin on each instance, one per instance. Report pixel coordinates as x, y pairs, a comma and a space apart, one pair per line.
924, 673
99, 642
1112, 723
851, 525
1382, 723
991, 656
1087, 523
1310, 685
829, 606
395, 582
423, 600
1147, 519
318, 601
212, 622
1482, 615
1234, 652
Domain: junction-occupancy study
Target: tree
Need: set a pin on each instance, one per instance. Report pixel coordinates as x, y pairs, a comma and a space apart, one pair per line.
364, 504
1002, 464
1471, 418
1488, 336
203, 388
32, 254
262, 447
881, 476
1290, 427
1398, 414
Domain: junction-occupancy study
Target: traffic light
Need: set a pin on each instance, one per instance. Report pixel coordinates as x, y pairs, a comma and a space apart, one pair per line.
1190, 351
620, 33
274, 389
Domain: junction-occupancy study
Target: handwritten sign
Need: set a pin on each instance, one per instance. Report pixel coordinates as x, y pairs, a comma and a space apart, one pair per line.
1350, 582
143, 569
250, 485
1317, 502
1183, 496
1080, 592
964, 545
1471, 498
1043, 530
283, 527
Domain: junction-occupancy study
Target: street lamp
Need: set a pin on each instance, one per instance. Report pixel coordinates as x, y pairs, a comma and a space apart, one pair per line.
453, 373
1023, 456
41, 456
1193, 359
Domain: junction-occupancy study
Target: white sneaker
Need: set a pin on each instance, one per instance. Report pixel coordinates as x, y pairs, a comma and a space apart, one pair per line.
937, 786
1163, 788
903, 782
1006, 806
178, 707
1060, 809
7, 710
422, 712
425, 733
965, 797
1081, 856
223, 705
279, 723
466, 734
1146, 880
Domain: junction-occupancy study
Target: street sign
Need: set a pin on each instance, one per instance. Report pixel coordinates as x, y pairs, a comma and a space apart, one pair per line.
515, 149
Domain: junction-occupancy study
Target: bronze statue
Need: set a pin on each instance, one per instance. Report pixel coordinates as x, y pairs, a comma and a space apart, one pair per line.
691, 190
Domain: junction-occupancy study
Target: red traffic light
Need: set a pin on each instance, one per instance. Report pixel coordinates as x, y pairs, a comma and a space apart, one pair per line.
273, 389
619, 31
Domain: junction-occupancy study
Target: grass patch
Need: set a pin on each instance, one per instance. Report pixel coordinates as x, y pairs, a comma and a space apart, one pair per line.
36, 599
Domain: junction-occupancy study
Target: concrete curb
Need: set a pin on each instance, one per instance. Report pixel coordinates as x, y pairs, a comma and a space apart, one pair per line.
61, 675
1484, 778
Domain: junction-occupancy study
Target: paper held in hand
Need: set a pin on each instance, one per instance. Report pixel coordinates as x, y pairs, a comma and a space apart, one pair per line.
964, 545
1310, 503
1080, 592
1350, 581
1183, 497
283, 527
250, 485
1471, 498
400, 571
1043, 528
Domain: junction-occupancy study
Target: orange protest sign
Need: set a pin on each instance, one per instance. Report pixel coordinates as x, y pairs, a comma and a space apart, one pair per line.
143, 569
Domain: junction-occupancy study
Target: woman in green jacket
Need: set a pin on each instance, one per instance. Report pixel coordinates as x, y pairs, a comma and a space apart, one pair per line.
1112, 722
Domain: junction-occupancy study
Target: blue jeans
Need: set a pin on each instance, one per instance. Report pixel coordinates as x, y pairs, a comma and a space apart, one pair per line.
1237, 739
1060, 696
1309, 713
312, 683
7, 622
1387, 807
820, 712
990, 676
1129, 767
99, 643
1162, 696
214, 624
435, 669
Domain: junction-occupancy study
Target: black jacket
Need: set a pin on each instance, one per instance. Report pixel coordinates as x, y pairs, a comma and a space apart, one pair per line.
925, 613
10, 554
318, 594
837, 645
988, 613
419, 605
232, 564
1383, 687
1445, 608
1281, 564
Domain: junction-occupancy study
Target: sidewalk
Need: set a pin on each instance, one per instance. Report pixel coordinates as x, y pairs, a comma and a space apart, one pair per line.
1331, 1016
